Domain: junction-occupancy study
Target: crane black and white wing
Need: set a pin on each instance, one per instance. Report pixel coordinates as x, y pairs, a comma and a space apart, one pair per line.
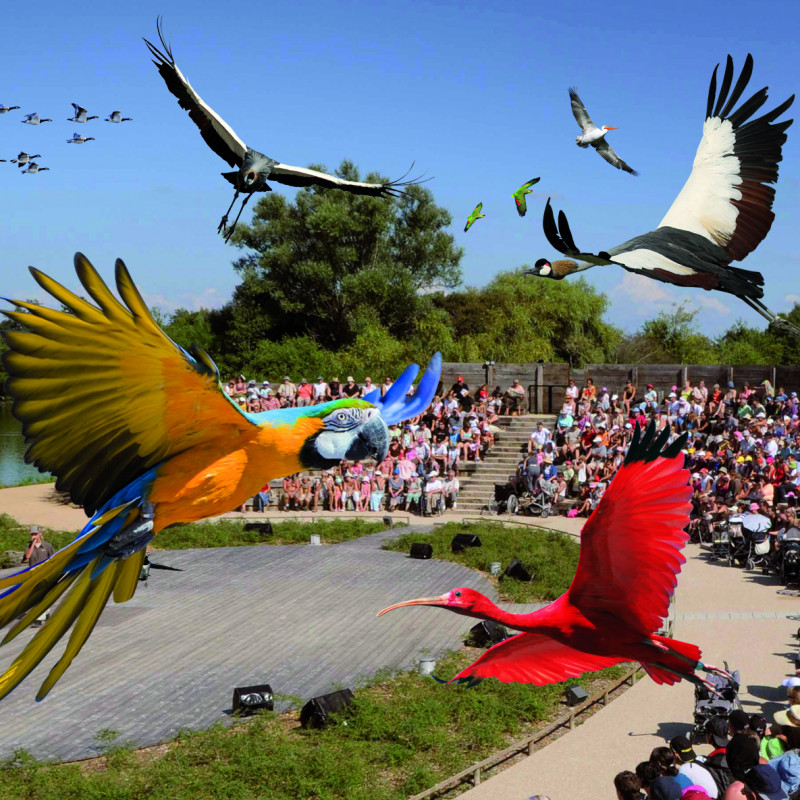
218, 135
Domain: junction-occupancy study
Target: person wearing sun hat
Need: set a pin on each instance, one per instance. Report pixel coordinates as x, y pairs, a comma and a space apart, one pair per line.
789, 716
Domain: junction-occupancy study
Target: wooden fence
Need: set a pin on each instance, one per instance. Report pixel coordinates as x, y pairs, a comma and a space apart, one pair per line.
545, 383
476, 772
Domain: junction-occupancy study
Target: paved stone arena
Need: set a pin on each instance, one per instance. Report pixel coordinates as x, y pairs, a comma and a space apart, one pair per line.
301, 618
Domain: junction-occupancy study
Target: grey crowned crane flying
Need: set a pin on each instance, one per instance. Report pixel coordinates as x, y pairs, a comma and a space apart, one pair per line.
116, 116
5, 109
24, 158
722, 213
33, 119
80, 114
253, 168
594, 136
33, 168
78, 139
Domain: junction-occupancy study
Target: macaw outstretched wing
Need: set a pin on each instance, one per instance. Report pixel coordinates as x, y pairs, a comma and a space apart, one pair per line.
104, 394
395, 406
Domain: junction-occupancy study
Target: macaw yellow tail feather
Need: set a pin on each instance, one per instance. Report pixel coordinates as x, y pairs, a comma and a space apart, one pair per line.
82, 605
83, 582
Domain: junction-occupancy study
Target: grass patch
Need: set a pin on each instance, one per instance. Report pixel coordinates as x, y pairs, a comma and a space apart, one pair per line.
30, 481
405, 734
225, 533
550, 557
231, 533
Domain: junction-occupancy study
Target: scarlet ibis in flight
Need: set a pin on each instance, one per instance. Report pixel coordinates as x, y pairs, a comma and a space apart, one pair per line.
594, 136
253, 169
721, 214
519, 195
630, 555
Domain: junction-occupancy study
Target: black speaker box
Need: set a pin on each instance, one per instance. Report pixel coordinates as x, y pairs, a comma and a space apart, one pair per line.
516, 570
315, 713
421, 550
264, 528
574, 695
249, 699
461, 541
487, 633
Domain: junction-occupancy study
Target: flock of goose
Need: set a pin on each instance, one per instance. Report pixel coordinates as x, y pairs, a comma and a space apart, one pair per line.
80, 114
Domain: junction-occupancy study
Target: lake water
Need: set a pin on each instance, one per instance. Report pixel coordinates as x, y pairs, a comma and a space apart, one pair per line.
13, 469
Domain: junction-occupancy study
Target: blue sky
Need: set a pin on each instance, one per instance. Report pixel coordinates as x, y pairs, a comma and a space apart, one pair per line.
475, 94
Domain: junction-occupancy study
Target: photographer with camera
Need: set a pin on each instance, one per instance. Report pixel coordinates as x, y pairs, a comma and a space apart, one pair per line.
38, 549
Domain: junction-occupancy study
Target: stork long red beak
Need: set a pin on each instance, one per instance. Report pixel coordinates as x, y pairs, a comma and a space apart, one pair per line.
440, 600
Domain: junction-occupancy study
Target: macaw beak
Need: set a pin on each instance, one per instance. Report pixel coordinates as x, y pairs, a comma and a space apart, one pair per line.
372, 440
440, 600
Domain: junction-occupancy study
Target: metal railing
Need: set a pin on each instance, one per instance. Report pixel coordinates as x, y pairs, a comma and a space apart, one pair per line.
475, 772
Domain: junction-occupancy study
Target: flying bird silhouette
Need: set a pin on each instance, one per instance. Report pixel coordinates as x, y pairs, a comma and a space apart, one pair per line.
80, 114
519, 196
721, 214
78, 139
116, 116
33, 168
33, 119
24, 158
594, 136
253, 168
474, 216
167, 445
4, 109
630, 556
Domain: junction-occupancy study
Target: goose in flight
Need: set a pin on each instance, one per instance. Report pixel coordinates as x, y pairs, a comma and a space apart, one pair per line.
116, 116
33, 168
33, 119
4, 109
80, 114
594, 136
78, 139
24, 158
253, 169
721, 214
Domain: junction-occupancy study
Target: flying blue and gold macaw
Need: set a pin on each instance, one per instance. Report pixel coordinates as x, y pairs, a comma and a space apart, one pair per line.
140, 433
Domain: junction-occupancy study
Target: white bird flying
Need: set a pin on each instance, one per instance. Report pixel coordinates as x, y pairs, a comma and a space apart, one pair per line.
594, 136
722, 213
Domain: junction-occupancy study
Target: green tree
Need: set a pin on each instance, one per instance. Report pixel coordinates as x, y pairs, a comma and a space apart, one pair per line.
333, 266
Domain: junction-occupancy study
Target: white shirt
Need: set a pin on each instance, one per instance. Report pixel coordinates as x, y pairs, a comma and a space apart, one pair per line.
700, 776
572, 391
540, 436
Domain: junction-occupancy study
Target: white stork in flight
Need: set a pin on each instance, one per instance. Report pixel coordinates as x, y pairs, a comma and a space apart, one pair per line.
254, 168
722, 213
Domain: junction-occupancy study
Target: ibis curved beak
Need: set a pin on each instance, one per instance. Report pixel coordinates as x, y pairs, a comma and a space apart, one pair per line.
441, 600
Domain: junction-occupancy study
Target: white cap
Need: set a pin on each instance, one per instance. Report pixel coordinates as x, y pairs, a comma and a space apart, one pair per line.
789, 682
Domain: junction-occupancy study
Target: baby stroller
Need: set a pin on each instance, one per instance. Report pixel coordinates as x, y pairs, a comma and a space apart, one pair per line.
788, 558
719, 540
543, 499
708, 705
738, 545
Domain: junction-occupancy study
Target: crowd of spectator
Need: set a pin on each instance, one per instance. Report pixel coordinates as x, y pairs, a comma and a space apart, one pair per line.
742, 450
749, 758
420, 471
